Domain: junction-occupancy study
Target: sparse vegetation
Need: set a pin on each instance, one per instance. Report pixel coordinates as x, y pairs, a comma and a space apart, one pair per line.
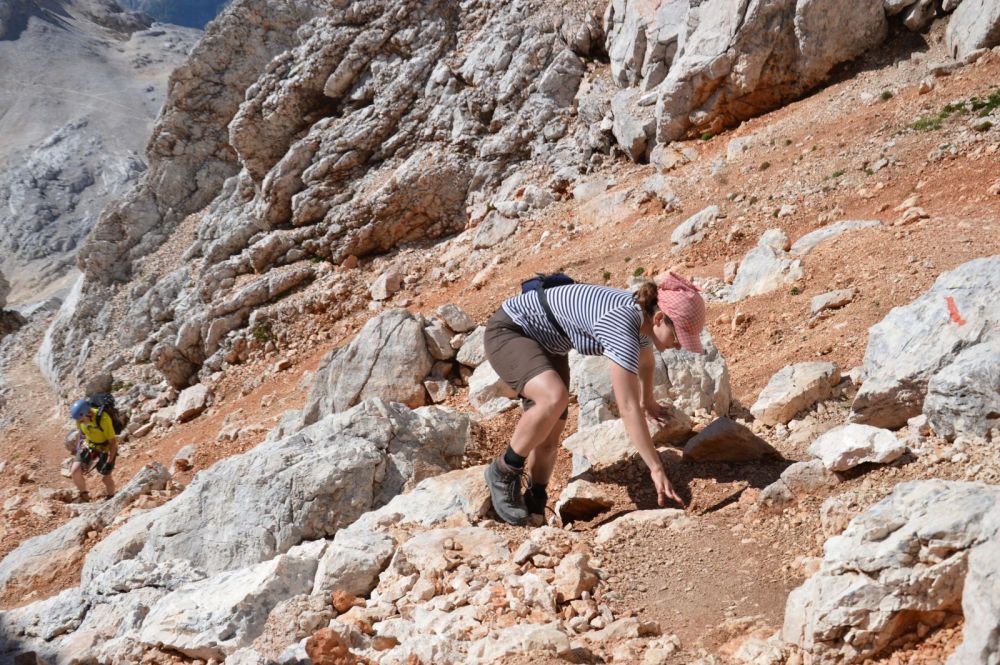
795, 291
707, 136
982, 107
638, 272
606, 275
837, 173
886, 95
765, 166
262, 332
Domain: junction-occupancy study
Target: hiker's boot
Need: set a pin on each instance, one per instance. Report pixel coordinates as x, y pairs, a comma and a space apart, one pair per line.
535, 499
505, 490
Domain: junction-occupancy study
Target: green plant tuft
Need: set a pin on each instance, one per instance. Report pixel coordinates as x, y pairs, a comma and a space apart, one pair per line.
638, 272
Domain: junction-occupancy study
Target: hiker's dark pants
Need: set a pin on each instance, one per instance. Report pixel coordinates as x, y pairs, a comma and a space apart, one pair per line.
517, 358
86, 456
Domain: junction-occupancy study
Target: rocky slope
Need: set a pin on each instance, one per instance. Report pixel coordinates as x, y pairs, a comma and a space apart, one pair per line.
81, 84
899, 215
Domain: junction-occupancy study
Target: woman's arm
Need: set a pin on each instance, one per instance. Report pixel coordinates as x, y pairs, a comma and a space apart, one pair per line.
627, 391
647, 363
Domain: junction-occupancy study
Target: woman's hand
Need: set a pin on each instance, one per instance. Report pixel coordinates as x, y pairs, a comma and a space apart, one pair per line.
656, 411
664, 490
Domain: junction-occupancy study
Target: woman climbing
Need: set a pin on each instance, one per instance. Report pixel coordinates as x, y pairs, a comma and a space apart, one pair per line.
527, 342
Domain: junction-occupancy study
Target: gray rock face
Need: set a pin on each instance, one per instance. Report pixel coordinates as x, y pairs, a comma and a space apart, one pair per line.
964, 397
831, 300
915, 342
927, 550
794, 388
634, 124
745, 58
349, 128
387, 359
974, 25
252, 507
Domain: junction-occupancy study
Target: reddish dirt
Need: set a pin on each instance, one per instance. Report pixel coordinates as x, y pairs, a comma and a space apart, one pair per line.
733, 564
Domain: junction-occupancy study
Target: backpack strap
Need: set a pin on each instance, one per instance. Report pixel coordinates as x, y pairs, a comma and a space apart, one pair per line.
540, 290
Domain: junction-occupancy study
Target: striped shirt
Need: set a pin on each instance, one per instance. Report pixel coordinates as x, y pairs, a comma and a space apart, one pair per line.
599, 320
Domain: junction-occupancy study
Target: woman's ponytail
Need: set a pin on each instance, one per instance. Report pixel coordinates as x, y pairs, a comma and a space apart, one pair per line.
646, 298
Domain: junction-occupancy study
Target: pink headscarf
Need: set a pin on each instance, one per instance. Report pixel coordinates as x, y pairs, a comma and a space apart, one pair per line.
679, 299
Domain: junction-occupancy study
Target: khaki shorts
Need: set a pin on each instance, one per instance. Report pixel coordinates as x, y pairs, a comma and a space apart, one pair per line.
517, 358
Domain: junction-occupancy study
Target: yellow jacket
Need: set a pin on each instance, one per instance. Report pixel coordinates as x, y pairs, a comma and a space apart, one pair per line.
98, 437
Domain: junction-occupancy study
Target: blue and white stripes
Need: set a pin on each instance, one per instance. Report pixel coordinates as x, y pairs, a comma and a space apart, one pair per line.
600, 321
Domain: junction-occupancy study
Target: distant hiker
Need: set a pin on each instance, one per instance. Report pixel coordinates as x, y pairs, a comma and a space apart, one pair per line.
97, 446
527, 342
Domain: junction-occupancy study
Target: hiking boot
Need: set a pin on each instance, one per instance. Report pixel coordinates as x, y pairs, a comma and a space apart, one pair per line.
535, 499
505, 490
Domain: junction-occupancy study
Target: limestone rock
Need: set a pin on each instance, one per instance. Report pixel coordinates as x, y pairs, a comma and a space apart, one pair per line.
811, 240
486, 386
353, 561
494, 229
793, 389
386, 285
455, 497
831, 300
964, 397
297, 488
764, 269
847, 446
439, 341
923, 551
743, 59
693, 229
725, 440
387, 359
216, 616
607, 444
183, 459
661, 518
582, 500
455, 318
573, 577
913, 343
633, 125
974, 25
524, 639
473, 352
191, 402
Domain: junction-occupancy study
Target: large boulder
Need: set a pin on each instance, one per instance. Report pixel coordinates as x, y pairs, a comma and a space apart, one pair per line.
691, 382
964, 397
251, 507
793, 389
974, 25
387, 359
694, 227
927, 552
915, 342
